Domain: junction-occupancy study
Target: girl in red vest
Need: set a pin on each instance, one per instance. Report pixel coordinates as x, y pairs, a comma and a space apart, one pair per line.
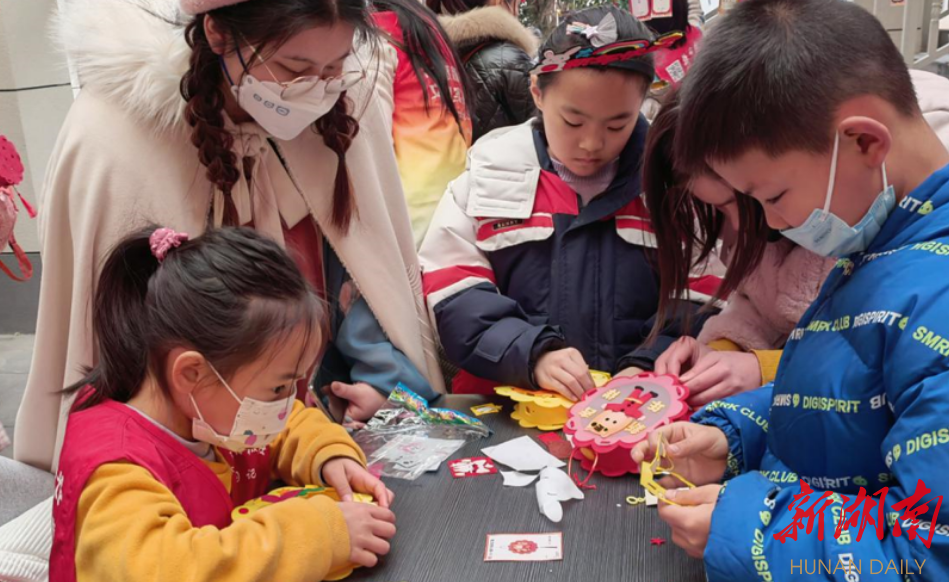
190, 411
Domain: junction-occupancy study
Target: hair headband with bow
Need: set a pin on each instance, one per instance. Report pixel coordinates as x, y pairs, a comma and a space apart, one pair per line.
606, 51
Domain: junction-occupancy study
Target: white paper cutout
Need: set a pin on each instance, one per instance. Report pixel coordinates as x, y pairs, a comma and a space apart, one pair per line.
651, 500
522, 454
554, 487
516, 479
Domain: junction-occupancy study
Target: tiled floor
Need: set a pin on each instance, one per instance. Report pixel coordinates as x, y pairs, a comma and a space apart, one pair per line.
15, 354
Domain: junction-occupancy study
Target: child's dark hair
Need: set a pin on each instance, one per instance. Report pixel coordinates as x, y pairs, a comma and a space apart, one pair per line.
429, 50
458, 6
687, 229
229, 294
627, 28
772, 74
260, 24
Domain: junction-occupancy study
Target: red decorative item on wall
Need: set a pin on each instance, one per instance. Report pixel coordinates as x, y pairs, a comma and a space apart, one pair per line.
11, 174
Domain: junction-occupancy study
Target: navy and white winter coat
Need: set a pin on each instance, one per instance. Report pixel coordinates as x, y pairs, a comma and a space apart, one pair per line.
861, 399
513, 267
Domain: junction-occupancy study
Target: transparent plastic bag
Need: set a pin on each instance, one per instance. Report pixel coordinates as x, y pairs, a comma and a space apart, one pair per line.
405, 438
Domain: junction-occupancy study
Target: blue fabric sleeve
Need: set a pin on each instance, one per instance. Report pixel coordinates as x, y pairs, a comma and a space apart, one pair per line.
372, 357
489, 335
744, 420
916, 448
751, 510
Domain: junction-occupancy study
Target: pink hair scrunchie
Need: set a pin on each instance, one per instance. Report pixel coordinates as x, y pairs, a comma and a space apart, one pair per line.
163, 240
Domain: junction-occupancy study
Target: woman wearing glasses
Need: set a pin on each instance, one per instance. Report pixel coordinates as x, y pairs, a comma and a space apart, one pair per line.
230, 112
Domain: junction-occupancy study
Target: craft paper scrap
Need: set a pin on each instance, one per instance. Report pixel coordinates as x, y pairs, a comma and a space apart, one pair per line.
556, 444
560, 449
483, 409
651, 500
515, 479
524, 547
554, 487
549, 437
471, 467
522, 454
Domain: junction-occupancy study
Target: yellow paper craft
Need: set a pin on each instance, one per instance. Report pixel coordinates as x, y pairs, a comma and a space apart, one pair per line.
650, 470
483, 409
541, 409
287, 493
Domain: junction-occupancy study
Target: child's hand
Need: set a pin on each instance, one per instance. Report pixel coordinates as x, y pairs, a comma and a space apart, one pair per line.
346, 475
630, 371
370, 527
719, 375
565, 372
363, 399
698, 452
681, 356
691, 523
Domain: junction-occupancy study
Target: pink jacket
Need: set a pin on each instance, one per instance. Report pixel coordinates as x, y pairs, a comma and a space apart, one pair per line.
762, 312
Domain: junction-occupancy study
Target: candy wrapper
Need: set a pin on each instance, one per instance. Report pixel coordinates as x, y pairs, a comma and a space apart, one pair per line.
406, 437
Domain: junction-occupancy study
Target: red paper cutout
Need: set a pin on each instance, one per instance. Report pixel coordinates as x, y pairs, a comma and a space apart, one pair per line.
472, 467
549, 437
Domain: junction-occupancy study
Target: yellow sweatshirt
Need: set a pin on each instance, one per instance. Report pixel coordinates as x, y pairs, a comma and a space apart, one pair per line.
767, 359
130, 527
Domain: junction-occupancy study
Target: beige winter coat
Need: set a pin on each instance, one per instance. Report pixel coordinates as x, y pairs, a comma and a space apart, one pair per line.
124, 159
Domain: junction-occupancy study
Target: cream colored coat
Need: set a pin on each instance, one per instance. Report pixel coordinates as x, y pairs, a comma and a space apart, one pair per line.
124, 159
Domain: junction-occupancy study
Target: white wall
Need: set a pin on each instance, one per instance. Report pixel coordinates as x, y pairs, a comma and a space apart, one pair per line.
31, 119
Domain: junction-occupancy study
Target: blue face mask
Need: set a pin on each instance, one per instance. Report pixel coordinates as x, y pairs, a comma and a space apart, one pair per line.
827, 235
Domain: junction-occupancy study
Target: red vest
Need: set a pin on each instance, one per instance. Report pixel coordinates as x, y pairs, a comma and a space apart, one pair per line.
112, 432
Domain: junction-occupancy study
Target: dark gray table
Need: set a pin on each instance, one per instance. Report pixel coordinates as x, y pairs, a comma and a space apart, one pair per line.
442, 523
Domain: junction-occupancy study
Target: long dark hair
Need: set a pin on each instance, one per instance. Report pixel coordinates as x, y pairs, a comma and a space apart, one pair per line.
457, 6
264, 24
687, 229
230, 294
430, 52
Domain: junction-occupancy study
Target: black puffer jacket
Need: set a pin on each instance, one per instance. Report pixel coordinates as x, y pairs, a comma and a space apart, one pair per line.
498, 53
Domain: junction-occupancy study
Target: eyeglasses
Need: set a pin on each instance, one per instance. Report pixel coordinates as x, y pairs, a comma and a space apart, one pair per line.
334, 84
650, 470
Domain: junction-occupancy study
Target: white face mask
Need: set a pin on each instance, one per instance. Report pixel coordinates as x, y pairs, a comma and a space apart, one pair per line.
284, 110
826, 234
256, 425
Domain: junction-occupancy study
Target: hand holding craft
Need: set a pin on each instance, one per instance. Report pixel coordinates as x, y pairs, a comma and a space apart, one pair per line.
564, 372
719, 375
681, 356
699, 452
370, 527
691, 518
346, 476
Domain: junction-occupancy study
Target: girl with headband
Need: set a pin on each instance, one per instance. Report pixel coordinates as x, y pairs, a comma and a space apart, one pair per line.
538, 264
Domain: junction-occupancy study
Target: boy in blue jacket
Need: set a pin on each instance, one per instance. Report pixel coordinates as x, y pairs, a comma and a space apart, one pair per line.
807, 106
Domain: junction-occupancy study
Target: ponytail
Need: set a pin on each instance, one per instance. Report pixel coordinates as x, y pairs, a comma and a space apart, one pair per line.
230, 294
117, 318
